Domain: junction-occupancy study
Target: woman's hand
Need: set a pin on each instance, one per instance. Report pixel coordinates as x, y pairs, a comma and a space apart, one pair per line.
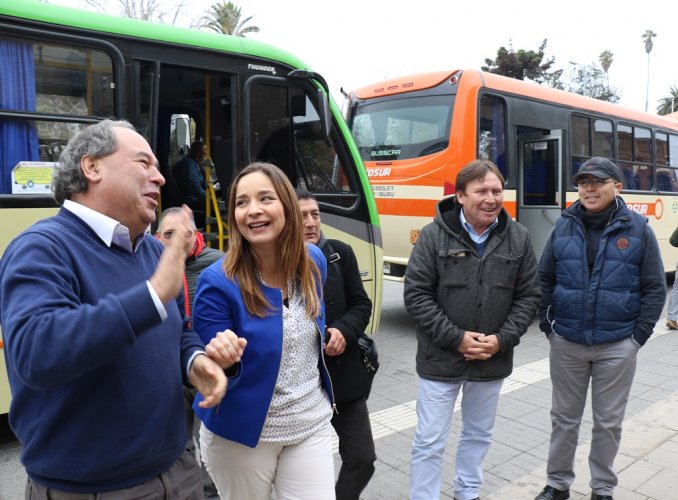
226, 349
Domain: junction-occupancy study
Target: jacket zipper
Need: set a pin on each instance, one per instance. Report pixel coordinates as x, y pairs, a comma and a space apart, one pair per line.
322, 357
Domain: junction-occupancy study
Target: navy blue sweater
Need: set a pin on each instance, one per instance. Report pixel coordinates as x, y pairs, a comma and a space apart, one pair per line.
95, 375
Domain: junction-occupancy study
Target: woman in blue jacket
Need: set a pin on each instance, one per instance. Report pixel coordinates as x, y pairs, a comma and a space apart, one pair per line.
272, 429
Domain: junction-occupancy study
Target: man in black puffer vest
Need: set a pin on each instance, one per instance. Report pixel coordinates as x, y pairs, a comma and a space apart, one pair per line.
347, 309
604, 289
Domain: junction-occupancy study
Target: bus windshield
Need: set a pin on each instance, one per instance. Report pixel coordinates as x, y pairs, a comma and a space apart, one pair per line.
401, 129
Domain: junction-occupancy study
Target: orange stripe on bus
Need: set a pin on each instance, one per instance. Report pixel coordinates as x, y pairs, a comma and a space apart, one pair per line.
421, 208
412, 208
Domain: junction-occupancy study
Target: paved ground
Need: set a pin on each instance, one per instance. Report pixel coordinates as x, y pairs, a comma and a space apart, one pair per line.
515, 466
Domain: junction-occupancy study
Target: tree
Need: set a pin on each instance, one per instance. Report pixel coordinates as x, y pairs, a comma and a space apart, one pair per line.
669, 104
523, 64
647, 37
589, 80
225, 18
148, 10
605, 59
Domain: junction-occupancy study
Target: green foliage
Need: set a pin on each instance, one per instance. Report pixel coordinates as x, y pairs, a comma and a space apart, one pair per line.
590, 80
669, 104
606, 57
226, 18
522, 64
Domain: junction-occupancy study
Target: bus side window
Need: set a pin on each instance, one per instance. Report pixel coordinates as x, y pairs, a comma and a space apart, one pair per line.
666, 180
492, 133
50, 79
630, 179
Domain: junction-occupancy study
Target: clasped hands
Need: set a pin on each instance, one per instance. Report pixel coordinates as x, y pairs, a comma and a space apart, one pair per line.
207, 372
478, 346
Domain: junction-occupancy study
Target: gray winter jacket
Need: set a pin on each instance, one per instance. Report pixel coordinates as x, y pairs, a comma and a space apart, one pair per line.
450, 289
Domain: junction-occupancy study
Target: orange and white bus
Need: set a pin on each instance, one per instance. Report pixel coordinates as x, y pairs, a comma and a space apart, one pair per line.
414, 134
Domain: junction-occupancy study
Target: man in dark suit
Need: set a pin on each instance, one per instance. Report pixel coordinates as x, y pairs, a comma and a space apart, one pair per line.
348, 310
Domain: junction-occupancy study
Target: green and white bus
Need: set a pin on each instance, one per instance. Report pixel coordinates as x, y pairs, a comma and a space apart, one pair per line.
63, 69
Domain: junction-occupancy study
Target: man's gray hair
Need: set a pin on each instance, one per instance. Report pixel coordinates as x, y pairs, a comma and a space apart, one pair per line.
174, 211
96, 141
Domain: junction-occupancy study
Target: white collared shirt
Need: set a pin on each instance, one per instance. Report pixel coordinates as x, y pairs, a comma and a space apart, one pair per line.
475, 237
112, 232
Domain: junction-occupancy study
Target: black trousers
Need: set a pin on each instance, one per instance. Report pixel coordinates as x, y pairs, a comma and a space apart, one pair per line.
356, 448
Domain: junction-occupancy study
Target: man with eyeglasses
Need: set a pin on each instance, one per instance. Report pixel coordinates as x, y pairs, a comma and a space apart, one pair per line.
603, 289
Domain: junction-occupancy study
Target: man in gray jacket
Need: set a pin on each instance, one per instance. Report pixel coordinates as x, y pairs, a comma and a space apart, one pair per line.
471, 286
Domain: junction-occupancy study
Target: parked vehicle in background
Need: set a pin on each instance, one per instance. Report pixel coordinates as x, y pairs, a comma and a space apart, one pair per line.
66, 68
416, 132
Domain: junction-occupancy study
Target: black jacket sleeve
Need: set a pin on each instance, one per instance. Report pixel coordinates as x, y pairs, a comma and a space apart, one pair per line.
348, 307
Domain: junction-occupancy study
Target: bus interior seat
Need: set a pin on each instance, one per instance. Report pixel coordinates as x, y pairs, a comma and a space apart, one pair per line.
630, 180
664, 182
644, 177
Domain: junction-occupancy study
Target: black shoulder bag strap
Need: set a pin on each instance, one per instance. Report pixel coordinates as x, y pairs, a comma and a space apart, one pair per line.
334, 260
366, 345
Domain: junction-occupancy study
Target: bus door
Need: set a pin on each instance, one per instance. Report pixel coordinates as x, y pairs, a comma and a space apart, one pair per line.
177, 104
541, 193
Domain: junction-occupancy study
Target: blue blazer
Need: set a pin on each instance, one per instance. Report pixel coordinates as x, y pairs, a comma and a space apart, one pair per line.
219, 305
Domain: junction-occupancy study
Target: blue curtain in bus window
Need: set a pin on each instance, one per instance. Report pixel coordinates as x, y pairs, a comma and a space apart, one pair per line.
18, 138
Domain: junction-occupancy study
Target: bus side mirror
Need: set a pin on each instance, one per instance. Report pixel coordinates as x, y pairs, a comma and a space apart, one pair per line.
323, 100
325, 115
183, 132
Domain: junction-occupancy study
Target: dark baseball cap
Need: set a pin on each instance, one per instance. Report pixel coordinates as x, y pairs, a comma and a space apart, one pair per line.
599, 167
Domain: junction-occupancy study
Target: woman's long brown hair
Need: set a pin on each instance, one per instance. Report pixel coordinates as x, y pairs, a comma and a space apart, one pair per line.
241, 263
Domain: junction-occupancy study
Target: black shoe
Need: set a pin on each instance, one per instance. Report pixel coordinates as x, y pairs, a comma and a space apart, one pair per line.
550, 493
595, 496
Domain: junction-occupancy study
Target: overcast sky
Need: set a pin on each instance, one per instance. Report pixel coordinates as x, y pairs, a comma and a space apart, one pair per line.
356, 42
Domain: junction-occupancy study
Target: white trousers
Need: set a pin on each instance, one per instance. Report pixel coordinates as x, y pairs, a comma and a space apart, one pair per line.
301, 471
435, 405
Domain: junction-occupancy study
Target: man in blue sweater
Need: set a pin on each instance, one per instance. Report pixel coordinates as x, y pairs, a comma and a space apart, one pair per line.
604, 288
96, 346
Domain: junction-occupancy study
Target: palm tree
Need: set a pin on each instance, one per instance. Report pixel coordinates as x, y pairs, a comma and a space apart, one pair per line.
669, 104
225, 18
605, 59
647, 37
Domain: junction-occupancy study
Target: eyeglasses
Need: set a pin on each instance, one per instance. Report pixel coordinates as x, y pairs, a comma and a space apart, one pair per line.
596, 182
